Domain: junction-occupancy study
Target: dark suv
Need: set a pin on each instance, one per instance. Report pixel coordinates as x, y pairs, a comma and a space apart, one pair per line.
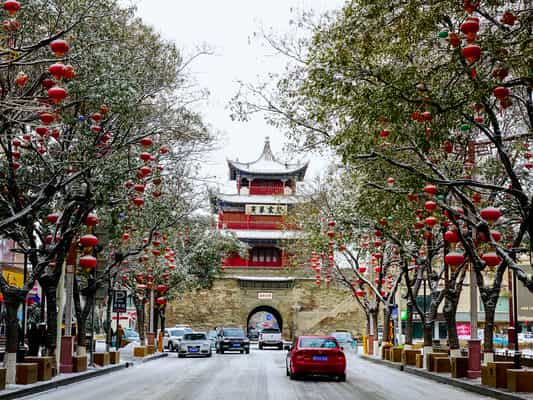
232, 339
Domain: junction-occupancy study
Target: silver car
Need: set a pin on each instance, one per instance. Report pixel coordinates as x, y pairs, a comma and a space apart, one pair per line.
173, 336
195, 344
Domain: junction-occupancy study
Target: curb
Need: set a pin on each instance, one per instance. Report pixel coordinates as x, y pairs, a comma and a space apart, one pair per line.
459, 383
45, 386
154, 357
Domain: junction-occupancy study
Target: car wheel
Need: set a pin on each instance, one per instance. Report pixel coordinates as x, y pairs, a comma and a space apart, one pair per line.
280, 347
247, 351
242, 351
341, 378
170, 347
209, 354
291, 375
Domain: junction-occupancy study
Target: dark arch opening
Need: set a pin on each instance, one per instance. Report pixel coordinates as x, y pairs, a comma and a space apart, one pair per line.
271, 310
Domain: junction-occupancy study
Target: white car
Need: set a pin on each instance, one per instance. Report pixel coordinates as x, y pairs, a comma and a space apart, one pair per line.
270, 337
195, 344
173, 336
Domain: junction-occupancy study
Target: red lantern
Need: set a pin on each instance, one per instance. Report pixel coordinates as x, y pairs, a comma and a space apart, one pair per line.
430, 205
42, 131
89, 241
48, 83
391, 181
91, 220
378, 243
161, 301
491, 214
471, 53
52, 218
139, 188
162, 288
470, 28
125, 236
57, 94
145, 171
57, 70
431, 190
431, 221
171, 267
12, 7
426, 116
69, 72
21, 79
476, 198
59, 47
156, 252
141, 287
147, 141
454, 259
330, 234
359, 292
138, 201
384, 133
501, 92
46, 118
451, 237
88, 263
491, 259
362, 269
145, 156
508, 18
163, 150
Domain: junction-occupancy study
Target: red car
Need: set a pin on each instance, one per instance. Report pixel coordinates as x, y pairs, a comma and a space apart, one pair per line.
316, 355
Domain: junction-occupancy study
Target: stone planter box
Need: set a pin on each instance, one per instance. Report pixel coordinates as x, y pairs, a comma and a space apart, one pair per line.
459, 367
385, 351
420, 360
496, 373
442, 364
101, 359
396, 355
79, 363
520, 380
409, 356
114, 357
44, 370
27, 373
3, 373
431, 359
139, 351
150, 349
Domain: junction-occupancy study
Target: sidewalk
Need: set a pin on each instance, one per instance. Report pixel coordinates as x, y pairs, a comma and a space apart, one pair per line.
471, 385
17, 391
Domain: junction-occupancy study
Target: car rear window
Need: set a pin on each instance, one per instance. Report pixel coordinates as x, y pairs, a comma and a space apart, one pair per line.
194, 336
234, 332
318, 343
177, 332
270, 330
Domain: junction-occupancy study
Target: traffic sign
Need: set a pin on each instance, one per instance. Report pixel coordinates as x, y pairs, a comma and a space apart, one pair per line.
120, 298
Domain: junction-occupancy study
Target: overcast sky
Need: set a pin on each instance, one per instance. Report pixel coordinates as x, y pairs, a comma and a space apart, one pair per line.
228, 27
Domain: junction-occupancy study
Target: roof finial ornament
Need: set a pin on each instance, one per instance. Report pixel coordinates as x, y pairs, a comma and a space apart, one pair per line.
267, 151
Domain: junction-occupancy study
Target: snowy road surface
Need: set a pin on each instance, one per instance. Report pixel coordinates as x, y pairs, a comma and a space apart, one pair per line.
259, 375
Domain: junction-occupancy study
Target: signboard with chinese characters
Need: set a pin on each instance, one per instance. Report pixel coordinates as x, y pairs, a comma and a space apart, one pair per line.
266, 209
120, 298
264, 296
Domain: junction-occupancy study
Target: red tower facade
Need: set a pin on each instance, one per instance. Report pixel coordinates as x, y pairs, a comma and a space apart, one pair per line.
256, 213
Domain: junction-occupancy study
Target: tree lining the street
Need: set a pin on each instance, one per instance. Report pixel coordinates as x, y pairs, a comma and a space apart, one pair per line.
424, 94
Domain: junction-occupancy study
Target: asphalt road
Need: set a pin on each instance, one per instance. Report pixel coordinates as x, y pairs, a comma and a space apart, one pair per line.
257, 376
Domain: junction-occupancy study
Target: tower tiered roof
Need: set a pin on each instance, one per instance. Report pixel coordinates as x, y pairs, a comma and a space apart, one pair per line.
267, 165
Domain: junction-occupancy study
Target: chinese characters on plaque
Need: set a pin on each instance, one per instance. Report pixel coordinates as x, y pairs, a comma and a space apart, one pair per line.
266, 209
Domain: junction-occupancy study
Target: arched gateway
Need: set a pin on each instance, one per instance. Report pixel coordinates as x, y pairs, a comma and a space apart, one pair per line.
268, 311
266, 278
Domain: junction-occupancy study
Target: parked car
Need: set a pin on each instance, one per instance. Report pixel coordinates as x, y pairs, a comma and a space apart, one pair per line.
316, 355
195, 344
212, 336
345, 339
129, 336
173, 336
270, 337
232, 339
253, 333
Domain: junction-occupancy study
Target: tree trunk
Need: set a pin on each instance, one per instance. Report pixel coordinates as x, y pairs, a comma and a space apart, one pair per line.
428, 334
155, 312
386, 324
409, 324
490, 312
450, 310
139, 307
109, 330
50, 293
12, 300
